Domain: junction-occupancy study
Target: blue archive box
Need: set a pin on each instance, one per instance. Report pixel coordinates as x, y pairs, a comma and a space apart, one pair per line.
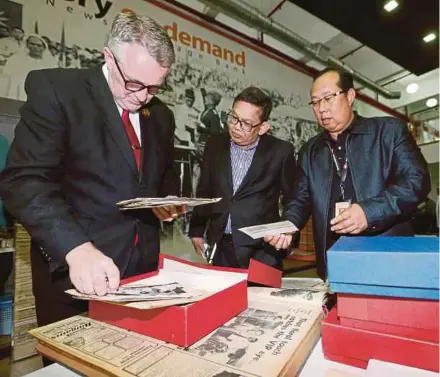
385, 266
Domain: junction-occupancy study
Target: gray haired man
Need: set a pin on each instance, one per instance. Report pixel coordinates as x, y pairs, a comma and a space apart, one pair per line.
86, 140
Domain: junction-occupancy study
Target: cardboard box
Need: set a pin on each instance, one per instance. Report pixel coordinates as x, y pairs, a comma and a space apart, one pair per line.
405, 331
183, 325
347, 360
413, 318
350, 344
385, 266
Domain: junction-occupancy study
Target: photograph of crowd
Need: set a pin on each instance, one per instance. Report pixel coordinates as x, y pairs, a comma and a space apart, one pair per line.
199, 93
231, 342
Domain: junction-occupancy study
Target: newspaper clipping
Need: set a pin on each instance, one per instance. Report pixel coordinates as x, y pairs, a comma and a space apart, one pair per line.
301, 293
123, 353
272, 229
167, 288
139, 203
262, 339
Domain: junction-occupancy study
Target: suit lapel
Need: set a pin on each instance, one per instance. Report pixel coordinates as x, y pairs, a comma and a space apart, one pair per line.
256, 164
105, 101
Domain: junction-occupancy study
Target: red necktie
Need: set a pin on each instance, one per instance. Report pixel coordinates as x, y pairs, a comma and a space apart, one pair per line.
135, 146
134, 141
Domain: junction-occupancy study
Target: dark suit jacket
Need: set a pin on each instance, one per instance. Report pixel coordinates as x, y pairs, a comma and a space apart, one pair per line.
389, 173
71, 161
271, 174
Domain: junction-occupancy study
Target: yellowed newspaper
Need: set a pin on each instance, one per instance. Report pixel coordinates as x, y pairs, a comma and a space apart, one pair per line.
272, 338
299, 293
125, 354
262, 339
260, 342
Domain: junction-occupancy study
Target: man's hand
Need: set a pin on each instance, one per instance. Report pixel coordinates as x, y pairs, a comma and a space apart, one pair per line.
169, 213
199, 245
351, 221
91, 272
280, 241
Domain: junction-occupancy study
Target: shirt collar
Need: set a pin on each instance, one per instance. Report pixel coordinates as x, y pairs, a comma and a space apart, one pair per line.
353, 122
247, 147
105, 71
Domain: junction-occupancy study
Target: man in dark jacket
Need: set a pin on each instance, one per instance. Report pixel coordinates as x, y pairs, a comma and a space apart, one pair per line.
250, 170
86, 140
361, 176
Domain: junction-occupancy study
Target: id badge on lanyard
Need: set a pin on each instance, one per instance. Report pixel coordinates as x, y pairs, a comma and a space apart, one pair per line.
344, 203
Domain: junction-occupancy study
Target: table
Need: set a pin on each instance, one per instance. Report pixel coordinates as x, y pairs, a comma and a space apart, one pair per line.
316, 366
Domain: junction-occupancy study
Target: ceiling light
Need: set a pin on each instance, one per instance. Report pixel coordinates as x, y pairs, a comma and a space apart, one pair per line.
391, 5
432, 102
429, 37
412, 88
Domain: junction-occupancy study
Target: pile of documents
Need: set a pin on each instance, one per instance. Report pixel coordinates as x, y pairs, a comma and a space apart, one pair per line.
167, 288
139, 203
272, 338
142, 291
25, 317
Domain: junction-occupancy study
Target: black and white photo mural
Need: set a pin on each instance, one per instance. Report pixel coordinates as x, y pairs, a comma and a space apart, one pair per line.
210, 70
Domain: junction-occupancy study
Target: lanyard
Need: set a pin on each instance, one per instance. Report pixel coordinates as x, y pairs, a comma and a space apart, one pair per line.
342, 172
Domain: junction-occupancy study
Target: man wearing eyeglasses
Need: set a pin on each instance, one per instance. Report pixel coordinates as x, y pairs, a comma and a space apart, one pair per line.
361, 176
86, 140
249, 170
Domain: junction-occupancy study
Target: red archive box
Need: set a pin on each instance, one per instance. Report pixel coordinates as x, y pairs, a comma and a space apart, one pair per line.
184, 325
356, 346
413, 318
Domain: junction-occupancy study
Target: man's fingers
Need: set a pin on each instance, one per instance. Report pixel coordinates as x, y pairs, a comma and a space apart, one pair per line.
280, 243
87, 284
182, 209
342, 226
284, 242
77, 283
173, 211
113, 276
341, 217
274, 240
353, 230
156, 212
287, 241
100, 284
162, 214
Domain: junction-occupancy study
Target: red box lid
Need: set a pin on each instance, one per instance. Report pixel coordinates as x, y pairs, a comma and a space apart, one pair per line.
422, 314
186, 324
365, 345
406, 331
257, 272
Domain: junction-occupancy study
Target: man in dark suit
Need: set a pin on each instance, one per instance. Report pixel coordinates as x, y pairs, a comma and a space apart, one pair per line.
249, 170
360, 176
86, 140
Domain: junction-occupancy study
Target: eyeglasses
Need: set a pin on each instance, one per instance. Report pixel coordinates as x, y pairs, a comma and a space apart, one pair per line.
328, 99
134, 86
244, 125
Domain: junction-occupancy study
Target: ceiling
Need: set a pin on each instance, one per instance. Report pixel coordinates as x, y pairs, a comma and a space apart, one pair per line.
378, 66
396, 35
